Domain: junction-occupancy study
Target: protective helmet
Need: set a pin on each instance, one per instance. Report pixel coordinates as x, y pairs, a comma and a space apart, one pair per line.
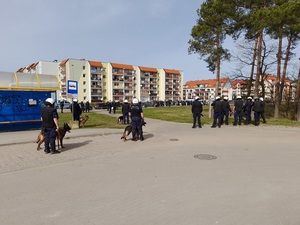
196, 98
125, 101
135, 101
249, 98
218, 97
261, 99
75, 100
50, 101
225, 98
238, 97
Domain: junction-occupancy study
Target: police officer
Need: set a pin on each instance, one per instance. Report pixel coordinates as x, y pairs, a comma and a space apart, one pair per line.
218, 111
197, 112
125, 112
263, 109
76, 110
247, 110
227, 110
49, 117
237, 109
137, 118
257, 108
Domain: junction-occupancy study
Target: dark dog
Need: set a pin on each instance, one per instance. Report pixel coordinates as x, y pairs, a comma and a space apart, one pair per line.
60, 136
128, 130
120, 119
83, 120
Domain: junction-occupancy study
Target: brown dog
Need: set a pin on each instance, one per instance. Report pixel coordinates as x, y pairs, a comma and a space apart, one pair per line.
128, 130
60, 136
83, 120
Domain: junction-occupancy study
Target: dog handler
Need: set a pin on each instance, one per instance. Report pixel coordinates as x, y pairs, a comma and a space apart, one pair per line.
137, 116
49, 125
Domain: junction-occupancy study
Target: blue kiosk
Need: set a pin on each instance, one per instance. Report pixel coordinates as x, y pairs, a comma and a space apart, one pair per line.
22, 96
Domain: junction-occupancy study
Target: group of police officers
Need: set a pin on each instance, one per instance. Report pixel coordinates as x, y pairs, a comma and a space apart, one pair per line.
222, 111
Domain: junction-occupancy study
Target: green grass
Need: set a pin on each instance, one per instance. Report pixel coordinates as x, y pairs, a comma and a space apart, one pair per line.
95, 120
180, 114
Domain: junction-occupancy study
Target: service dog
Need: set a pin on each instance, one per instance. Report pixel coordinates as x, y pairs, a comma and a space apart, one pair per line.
128, 130
60, 136
120, 119
83, 120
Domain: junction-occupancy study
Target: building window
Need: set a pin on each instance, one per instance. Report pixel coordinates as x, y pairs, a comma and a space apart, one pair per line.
84, 90
83, 67
83, 75
84, 82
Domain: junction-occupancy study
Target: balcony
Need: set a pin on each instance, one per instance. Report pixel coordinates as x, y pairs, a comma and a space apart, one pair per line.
118, 94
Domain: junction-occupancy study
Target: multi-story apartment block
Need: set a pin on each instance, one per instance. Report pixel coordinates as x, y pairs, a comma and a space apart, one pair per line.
205, 89
102, 81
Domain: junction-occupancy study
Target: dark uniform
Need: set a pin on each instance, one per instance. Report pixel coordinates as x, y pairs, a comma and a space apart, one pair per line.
218, 112
227, 110
77, 110
48, 114
238, 106
247, 110
136, 121
87, 106
62, 107
125, 112
257, 108
114, 106
263, 110
197, 112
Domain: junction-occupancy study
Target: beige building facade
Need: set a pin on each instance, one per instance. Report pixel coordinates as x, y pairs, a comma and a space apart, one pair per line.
105, 81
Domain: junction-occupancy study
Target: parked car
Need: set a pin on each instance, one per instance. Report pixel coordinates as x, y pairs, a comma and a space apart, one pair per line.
67, 105
100, 105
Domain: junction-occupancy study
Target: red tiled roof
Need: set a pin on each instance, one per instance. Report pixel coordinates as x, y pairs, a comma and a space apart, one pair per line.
274, 78
32, 65
96, 64
122, 66
148, 69
211, 83
21, 69
172, 71
235, 82
63, 62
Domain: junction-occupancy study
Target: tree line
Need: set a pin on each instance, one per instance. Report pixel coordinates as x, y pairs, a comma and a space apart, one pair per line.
258, 22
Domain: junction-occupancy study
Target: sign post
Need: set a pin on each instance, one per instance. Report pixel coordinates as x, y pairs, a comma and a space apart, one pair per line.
72, 93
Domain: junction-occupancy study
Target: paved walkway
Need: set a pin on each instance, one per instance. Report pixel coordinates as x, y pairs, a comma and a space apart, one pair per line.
178, 175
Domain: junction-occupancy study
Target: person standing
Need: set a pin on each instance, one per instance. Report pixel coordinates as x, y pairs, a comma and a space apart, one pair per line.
247, 110
114, 106
237, 109
257, 108
125, 111
61, 104
137, 118
197, 111
227, 110
109, 106
218, 112
76, 110
49, 117
263, 109
87, 106
82, 106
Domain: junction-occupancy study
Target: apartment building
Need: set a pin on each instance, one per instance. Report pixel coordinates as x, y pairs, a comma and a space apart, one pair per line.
205, 89
103, 81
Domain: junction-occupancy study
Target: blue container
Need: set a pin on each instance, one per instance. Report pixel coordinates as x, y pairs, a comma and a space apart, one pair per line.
21, 110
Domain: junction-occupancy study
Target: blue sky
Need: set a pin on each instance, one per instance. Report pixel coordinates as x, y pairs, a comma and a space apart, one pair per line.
136, 32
